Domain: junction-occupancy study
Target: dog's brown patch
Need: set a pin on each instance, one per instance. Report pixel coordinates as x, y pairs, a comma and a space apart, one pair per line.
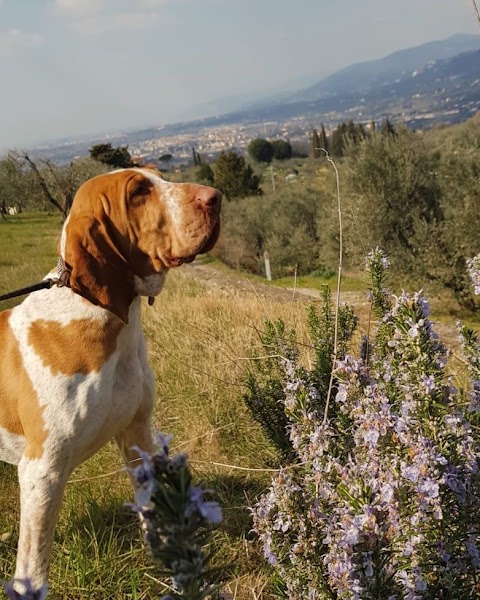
83, 346
20, 412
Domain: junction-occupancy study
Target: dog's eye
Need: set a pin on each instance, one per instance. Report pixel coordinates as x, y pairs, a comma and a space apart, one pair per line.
139, 188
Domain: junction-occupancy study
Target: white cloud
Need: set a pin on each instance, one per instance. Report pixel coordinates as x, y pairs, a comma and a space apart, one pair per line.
78, 7
127, 22
13, 40
93, 17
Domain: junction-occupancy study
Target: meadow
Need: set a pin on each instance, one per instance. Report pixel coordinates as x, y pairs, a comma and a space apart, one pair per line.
199, 344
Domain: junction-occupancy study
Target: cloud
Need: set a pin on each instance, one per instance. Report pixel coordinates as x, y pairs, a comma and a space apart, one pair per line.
78, 7
13, 40
126, 22
93, 17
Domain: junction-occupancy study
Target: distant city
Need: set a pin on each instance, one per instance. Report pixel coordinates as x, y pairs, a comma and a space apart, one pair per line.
436, 83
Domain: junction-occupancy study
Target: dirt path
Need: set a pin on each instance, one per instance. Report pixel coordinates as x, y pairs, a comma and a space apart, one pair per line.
229, 284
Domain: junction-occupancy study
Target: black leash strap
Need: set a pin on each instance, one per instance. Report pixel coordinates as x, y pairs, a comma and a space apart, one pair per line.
41, 285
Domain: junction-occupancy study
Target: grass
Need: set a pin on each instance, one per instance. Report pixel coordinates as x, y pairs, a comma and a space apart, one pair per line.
28, 250
199, 344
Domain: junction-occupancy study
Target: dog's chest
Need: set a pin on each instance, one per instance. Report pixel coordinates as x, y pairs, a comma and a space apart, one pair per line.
86, 379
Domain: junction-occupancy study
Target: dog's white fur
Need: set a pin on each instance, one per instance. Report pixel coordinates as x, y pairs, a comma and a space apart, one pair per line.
82, 371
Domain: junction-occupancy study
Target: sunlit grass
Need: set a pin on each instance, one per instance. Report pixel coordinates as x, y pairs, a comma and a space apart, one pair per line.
28, 250
199, 344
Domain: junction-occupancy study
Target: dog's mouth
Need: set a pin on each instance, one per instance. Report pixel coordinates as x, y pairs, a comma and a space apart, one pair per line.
177, 261
180, 260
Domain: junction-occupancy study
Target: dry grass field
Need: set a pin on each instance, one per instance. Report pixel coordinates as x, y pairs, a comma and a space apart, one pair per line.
200, 342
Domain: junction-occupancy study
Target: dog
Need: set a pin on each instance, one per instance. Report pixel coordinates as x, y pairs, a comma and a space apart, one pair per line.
74, 372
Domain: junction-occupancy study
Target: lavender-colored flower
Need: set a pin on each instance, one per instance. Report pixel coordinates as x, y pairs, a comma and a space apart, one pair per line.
376, 259
209, 510
28, 592
472, 550
399, 457
473, 267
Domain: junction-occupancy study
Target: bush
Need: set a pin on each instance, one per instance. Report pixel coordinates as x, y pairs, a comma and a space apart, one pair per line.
261, 150
282, 150
382, 495
235, 178
283, 225
204, 174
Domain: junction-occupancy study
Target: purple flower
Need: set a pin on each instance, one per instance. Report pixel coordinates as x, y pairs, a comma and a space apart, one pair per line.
473, 267
28, 592
163, 442
209, 510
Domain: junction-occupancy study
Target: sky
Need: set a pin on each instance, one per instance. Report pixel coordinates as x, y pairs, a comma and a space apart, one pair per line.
80, 67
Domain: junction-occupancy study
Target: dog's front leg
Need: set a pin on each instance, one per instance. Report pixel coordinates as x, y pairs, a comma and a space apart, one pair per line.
42, 483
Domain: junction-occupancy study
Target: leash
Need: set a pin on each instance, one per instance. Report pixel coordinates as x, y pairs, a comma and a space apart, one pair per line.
62, 280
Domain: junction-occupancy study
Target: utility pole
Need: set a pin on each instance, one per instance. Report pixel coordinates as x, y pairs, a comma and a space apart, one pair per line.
273, 180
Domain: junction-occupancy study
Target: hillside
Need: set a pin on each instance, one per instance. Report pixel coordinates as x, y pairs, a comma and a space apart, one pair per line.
437, 82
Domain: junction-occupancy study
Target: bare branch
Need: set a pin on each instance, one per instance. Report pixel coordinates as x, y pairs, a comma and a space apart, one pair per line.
44, 186
476, 11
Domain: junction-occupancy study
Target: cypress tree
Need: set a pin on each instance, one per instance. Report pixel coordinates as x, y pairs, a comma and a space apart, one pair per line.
324, 139
316, 144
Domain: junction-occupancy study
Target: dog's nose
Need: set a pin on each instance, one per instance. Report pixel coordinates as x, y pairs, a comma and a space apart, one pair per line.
209, 197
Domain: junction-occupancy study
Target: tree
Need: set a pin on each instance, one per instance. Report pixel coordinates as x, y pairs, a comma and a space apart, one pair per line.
235, 178
339, 137
316, 144
205, 175
347, 134
394, 201
197, 159
323, 139
14, 183
28, 182
107, 154
282, 150
164, 159
260, 150
388, 128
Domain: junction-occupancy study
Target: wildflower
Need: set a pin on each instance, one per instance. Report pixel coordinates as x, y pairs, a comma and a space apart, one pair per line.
209, 510
175, 517
473, 268
28, 594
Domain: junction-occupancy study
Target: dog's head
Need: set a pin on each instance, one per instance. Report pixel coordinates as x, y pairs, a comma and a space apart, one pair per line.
128, 227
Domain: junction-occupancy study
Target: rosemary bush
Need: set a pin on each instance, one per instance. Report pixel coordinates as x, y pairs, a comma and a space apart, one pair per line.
381, 499
177, 519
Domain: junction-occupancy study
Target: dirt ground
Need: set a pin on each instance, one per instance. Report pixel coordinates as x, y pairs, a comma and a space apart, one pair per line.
231, 285
228, 284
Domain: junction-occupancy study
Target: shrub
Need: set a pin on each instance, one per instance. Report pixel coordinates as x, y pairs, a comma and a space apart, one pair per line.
283, 225
382, 497
177, 519
282, 150
261, 150
235, 178
204, 174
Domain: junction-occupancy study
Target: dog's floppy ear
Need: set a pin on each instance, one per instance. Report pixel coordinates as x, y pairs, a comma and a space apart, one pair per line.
99, 272
95, 250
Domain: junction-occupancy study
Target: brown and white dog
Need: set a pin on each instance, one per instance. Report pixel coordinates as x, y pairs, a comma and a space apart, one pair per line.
73, 371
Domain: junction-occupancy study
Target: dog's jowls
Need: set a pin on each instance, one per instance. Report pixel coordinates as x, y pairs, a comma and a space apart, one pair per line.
74, 371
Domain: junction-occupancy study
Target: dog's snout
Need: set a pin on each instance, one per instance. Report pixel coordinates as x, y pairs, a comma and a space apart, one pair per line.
209, 197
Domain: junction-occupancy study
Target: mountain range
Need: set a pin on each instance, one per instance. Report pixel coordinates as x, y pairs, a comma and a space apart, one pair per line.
438, 79
436, 82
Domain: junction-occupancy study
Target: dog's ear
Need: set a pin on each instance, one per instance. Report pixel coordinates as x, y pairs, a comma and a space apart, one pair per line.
99, 272
96, 244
